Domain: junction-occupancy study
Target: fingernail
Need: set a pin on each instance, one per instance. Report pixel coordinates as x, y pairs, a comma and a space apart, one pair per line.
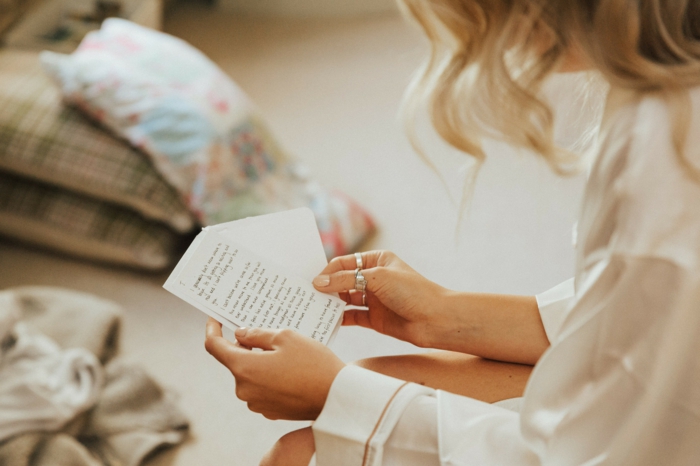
241, 332
322, 280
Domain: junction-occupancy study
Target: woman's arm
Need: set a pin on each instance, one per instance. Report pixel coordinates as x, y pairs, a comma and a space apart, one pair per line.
494, 326
406, 305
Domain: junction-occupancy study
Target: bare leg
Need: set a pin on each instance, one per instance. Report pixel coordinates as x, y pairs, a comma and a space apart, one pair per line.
478, 378
294, 449
463, 374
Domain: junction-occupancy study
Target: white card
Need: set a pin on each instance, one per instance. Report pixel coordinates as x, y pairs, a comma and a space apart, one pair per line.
288, 238
230, 274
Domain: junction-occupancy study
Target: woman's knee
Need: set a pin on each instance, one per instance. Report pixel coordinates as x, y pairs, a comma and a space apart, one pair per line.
369, 363
293, 449
425, 369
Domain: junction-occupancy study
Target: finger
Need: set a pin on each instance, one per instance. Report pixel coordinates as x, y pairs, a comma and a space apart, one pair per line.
216, 344
345, 280
256, 337
263, 409
237, 344
356, 317
345, 296
340, 263
213, 328
355, 298
348, 262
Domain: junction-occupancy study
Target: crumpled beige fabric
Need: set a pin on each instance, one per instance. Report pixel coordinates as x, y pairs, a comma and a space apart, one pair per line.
72, 319
45, 449
43, 387
133, 416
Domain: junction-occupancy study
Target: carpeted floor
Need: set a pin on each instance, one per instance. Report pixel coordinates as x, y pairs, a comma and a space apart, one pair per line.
331, 92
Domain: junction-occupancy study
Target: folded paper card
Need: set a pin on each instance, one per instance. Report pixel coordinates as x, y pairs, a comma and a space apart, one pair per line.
257, 272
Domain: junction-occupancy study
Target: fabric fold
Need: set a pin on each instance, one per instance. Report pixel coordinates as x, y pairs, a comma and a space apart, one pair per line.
43, 387
553, 305
59, 406
352, 429
133, 418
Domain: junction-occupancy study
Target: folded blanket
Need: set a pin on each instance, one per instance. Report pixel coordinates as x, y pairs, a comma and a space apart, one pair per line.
53, 333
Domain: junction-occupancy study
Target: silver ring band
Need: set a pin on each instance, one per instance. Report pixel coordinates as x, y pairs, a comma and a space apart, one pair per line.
360, 281
358, 260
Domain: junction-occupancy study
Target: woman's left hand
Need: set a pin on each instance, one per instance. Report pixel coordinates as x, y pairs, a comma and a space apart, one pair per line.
289, 379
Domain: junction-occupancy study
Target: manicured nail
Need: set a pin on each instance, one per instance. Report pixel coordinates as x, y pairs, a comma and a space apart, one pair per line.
241, 332
322, 280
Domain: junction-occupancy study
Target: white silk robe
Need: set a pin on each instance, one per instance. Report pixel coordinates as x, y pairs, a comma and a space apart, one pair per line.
620, 384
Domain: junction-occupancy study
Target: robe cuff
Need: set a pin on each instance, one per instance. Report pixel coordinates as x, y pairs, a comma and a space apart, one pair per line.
474, 433
359, 415
554, 305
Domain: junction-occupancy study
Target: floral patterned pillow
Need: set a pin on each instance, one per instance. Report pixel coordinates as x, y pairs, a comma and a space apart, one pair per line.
201, 130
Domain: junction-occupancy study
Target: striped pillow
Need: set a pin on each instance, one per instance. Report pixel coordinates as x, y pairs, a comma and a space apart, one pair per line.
42, 139
60, 219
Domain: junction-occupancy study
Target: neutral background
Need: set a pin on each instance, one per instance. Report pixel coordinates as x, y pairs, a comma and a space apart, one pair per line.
331, 90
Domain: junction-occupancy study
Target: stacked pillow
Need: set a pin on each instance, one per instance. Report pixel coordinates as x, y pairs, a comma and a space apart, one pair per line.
67, 184
190, 149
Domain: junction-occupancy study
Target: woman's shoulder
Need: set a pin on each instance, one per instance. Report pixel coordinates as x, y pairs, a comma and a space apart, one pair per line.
666, 133
657, 186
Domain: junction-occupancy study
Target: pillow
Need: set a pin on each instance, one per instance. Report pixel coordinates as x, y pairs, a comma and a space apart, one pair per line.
50, 216
42, 139
202, 132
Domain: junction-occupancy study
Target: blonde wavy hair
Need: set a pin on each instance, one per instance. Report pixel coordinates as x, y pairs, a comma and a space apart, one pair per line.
490, 58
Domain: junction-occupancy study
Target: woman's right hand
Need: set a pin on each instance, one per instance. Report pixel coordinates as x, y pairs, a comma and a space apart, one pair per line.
402, 303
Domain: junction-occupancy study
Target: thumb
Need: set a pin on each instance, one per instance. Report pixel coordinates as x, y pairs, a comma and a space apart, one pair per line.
255, 337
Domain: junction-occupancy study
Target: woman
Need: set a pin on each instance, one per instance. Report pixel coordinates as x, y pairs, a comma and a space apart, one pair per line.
616, 378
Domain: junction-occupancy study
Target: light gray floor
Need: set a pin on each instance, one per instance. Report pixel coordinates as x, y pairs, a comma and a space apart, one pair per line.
331, 92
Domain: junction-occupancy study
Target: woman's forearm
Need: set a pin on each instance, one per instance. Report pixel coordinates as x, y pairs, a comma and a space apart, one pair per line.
501, 327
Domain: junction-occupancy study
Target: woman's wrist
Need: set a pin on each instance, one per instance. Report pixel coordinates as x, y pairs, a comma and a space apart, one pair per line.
450, 322
442, 321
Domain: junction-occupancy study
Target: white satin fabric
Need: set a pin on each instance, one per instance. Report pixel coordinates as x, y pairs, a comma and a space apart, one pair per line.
620, 384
